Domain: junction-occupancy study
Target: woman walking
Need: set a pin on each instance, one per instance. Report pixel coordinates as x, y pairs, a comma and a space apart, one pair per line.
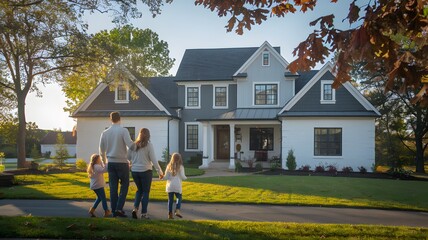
142, 161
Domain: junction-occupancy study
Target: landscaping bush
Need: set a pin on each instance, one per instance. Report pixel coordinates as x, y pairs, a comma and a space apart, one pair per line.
275, 163
305, 168
196, 159
259, 167
291, 160
347, 169
238, 167
250, 162
2, 167
362, 169
331, 168
81, 164
320, 168
400, 173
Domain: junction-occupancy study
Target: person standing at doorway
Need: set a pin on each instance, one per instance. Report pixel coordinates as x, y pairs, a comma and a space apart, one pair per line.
113, 147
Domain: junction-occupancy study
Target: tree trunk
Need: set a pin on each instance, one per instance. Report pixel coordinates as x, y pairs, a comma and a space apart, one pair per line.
420, 128
22, 125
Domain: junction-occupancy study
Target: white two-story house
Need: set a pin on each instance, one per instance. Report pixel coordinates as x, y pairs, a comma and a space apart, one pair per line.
222, 98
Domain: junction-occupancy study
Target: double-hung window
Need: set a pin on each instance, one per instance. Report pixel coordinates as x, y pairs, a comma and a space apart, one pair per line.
220, 97
192, 97
265, 59
121, 94
266, 94
192, 137
328, 94
328, 141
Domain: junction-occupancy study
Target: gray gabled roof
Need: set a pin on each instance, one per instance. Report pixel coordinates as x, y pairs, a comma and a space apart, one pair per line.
303, 79
51, 138
164, 89
213, 64
247, 114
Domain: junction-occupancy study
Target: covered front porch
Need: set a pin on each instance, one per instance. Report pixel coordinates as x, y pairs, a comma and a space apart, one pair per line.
250, 142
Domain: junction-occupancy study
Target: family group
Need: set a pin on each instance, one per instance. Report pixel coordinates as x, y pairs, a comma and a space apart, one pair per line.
118, 154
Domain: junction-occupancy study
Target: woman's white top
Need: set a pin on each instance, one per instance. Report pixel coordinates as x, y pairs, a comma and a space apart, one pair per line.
144, 159
173, 183
97, 178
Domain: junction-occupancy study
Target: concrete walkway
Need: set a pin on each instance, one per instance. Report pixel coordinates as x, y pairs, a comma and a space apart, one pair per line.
243, 212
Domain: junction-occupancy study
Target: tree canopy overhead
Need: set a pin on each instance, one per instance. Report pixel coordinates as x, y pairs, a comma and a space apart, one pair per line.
118, 51
386, 34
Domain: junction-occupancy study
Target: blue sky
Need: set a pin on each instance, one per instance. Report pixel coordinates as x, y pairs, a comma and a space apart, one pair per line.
185, 26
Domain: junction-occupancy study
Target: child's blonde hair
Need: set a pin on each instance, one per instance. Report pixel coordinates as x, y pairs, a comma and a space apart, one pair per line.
174, 164
94, 160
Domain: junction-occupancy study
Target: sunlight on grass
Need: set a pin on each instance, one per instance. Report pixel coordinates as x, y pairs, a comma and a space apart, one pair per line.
253, 189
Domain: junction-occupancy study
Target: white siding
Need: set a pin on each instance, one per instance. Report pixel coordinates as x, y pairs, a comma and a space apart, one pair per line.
89, 131
358, 142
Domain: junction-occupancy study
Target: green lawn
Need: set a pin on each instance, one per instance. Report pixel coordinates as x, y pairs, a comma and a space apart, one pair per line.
112, 228
253, 189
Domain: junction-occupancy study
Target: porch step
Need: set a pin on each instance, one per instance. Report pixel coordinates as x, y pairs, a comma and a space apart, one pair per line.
220, 165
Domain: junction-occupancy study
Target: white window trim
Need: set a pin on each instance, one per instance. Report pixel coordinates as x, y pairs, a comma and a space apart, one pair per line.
333, 93
263, 53
116, 100
199, 97
199, 137
227, 97
266, 83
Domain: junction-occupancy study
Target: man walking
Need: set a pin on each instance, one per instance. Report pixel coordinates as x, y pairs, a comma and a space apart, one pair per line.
113, 143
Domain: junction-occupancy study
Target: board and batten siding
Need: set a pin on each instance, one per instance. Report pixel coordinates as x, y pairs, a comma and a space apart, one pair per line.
358, 142
89, 131
256, 73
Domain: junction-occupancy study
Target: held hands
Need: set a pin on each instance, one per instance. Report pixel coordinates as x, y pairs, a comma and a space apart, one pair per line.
161, 176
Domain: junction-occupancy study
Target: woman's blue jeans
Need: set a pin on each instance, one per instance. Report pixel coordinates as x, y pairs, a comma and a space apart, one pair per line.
143, 181
171, 200
101, 197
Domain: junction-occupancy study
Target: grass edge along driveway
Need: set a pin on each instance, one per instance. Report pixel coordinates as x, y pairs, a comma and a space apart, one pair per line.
113, 228
252, 189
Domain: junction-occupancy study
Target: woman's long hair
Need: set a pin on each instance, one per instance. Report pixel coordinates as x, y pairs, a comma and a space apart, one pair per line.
174, 164
143, 138
94, 160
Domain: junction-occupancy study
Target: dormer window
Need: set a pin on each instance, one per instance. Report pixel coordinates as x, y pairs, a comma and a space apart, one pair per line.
266, 59
328, 94
121, 94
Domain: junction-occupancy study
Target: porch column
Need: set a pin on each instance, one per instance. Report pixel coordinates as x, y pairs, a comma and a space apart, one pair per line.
205, 154
232, 146
211, 143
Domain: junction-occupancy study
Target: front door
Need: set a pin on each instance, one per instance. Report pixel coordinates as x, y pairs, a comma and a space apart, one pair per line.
223, 142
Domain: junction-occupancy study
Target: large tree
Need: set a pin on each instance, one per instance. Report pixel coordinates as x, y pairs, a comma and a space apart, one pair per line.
137, 50
40, 40
380, 33
402, 124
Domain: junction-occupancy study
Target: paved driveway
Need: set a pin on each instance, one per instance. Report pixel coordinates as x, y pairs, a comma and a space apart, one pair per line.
244, 212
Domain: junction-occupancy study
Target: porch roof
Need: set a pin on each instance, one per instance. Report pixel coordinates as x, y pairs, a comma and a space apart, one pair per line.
246, 114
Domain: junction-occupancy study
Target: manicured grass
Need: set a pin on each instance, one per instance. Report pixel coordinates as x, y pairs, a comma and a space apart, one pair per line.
253, 189
78, 228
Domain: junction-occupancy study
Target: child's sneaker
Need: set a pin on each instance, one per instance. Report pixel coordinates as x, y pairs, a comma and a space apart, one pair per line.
107, 213
170, 216
145, 216
134, 214
177, 213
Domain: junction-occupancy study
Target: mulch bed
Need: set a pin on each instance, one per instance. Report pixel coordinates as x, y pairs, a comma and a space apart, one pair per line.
329, 174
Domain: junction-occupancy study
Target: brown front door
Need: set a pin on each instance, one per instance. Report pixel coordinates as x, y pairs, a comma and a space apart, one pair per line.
223, 142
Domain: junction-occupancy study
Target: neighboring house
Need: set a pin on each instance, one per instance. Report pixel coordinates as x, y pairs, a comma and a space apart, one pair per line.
49, 143
224, 97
